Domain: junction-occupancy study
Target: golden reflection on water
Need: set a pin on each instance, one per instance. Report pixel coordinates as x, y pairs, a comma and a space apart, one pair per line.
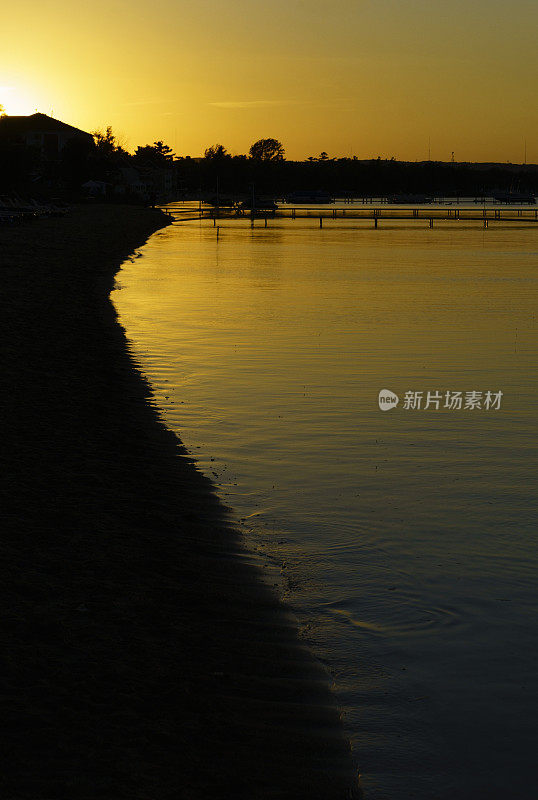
407, 539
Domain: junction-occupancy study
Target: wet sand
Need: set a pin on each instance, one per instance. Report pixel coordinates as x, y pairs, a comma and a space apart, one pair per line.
143, 656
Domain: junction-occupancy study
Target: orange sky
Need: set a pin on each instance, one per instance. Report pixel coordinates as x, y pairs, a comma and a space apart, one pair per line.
352, 77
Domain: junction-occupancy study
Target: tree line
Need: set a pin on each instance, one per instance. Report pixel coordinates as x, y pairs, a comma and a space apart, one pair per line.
265, 169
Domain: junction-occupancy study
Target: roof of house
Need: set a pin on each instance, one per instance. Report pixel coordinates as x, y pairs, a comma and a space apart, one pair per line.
40, 123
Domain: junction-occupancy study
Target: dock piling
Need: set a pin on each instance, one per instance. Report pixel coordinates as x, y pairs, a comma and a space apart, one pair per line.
430, 215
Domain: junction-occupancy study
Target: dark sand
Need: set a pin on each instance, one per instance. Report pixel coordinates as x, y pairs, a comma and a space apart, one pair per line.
142, 657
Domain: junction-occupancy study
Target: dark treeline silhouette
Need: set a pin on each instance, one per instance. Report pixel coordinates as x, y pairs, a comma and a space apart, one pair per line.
236, 175
40, 155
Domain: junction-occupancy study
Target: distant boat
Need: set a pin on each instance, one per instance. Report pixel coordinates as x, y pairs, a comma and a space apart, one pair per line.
315, 196
220, 202
263, 206
515, 197
410, 199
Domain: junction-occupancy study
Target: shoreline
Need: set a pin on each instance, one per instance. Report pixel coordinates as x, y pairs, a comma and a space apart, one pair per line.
146, 657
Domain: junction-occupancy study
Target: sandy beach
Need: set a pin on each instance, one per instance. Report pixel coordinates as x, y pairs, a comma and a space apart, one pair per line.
143, 656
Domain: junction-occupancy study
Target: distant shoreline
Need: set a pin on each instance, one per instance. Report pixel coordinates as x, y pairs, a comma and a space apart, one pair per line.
144, 657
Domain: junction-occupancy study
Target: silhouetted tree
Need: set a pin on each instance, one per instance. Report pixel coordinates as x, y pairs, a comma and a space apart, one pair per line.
164, 150
159, 153
108, 155
105, 142
2, 111
216, 151
323, 156
267, 150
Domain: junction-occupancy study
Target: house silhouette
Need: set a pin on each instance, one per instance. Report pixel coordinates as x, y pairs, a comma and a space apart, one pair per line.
41, 132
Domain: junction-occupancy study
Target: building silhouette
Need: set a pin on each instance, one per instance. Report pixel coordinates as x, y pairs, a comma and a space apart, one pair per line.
43, 133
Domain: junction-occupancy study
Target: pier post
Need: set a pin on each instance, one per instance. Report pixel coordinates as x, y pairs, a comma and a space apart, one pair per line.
485, 222
321, 222
431, 222
375, 222
218, 233
265, 226
214, 221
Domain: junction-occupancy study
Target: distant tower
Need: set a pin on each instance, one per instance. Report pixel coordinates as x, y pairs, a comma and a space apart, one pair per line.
452, 158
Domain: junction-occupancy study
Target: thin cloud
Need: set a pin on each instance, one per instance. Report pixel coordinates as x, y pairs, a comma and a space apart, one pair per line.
250, 103
145, 102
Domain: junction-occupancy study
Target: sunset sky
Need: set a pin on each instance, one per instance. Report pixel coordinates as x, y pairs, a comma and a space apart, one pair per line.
352, 77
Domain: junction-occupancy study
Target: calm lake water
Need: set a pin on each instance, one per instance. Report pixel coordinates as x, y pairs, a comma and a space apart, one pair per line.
405, 539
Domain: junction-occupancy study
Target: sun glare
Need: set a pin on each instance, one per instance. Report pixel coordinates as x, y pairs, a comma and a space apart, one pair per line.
16, 101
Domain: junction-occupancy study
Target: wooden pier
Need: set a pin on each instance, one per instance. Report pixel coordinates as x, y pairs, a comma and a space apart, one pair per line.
378, 216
